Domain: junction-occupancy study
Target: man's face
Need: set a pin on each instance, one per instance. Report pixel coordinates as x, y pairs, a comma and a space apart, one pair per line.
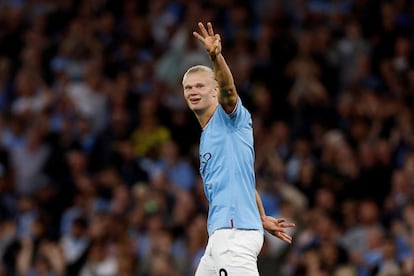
200, 90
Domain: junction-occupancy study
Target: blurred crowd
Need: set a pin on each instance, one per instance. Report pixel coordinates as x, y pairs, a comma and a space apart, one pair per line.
99, 152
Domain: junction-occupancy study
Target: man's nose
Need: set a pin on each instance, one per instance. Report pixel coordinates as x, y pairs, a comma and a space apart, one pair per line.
192, 91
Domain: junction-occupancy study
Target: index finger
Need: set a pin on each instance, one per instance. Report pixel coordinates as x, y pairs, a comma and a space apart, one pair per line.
287, 225
198, 36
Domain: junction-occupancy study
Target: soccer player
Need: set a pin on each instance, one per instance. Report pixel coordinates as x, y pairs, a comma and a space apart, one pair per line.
236, 216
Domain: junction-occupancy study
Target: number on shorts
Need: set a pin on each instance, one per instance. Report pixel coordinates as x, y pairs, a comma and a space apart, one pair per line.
222, 272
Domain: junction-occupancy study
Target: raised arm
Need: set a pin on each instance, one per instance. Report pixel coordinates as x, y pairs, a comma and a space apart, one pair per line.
212, 43
274, 226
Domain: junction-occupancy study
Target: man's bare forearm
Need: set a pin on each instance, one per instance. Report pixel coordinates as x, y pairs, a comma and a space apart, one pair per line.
260, 204
224, 78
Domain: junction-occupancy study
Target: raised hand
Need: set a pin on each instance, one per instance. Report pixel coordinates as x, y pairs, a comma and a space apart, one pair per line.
211, 41
277, 227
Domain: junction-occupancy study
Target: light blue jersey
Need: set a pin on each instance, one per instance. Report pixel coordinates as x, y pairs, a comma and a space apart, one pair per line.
227, 169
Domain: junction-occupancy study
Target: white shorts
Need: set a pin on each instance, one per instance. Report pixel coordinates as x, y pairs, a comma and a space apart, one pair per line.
231, 252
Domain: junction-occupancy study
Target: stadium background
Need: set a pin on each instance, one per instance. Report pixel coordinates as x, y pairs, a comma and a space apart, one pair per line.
98, 157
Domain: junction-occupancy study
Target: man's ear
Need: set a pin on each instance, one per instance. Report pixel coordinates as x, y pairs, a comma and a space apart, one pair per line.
216, 91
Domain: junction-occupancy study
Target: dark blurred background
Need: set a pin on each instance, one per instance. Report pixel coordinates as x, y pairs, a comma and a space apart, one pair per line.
99, 152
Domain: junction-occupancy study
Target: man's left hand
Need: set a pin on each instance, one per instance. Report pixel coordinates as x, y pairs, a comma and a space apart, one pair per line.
277, 227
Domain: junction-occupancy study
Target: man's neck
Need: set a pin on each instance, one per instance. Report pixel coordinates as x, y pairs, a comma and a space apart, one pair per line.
204, 117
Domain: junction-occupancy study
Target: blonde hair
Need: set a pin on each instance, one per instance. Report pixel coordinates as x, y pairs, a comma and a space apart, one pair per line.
198, 68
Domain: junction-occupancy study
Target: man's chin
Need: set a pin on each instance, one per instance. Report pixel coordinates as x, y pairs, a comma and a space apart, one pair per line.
196, 110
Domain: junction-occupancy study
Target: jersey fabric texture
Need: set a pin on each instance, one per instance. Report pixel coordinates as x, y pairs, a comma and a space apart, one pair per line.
227, 170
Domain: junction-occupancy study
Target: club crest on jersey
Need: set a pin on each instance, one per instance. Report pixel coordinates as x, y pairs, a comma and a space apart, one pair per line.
204, 159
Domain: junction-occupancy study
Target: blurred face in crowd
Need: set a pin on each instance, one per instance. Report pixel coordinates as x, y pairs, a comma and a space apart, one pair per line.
200, 90
368, 212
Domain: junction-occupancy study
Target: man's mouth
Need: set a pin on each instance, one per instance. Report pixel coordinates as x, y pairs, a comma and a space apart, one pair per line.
194, 100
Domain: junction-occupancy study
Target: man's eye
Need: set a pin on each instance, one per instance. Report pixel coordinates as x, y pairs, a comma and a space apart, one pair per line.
200, 85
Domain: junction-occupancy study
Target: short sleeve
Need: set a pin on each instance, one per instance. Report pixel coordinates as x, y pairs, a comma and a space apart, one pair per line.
239, 117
